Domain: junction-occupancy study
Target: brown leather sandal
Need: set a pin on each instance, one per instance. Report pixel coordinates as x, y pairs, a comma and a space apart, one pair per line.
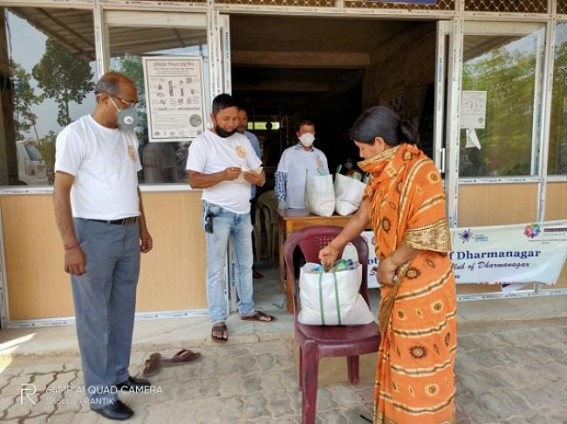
222, 330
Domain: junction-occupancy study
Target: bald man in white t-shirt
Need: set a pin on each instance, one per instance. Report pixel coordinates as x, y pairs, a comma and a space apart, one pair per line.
99, 213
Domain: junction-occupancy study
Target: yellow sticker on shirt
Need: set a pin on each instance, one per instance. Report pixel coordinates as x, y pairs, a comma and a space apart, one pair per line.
132, 152
240, 151
319, 162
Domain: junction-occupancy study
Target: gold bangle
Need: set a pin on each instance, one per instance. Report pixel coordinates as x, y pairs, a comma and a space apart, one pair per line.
335, 251
394, 262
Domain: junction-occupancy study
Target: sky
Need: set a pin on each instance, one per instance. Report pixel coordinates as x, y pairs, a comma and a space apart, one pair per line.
27, 46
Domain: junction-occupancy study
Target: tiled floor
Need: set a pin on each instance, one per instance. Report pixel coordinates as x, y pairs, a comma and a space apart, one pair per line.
510, 368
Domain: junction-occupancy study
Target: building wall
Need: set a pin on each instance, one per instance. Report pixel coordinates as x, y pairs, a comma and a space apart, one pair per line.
401, 70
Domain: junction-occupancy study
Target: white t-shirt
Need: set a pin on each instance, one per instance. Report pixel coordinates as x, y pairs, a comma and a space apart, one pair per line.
297, 163
104, 162
210, 153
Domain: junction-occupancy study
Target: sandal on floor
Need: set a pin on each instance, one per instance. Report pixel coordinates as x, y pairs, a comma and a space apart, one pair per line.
182, 357
259, 316
223, 332
152, 365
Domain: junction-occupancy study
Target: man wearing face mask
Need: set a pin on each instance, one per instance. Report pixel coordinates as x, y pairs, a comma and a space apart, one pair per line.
223, 163
99, 213
296, 163
349, 169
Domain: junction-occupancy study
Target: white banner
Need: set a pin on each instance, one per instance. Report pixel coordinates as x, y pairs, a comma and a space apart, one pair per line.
510, 254
525, 253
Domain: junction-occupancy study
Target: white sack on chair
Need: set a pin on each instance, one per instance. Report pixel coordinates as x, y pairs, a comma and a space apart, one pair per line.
348, 194
332, 298
320, 195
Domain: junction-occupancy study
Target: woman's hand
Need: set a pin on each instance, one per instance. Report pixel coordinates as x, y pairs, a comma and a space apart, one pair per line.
386, 273
328, 256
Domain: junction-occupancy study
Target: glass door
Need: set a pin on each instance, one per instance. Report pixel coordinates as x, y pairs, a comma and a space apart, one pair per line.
171, 55
501, 99
500, 127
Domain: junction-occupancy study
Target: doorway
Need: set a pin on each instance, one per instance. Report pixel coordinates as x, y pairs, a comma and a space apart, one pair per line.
329, 70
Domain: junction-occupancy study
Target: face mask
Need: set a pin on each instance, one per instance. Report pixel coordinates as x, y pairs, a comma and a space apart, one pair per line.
307, 139
223, 133
126, 118
348, 165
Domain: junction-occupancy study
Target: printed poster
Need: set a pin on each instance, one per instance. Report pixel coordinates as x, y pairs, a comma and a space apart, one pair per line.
174, 98
473, 109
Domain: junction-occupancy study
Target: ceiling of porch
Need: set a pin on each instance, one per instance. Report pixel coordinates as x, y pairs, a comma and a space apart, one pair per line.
269, 54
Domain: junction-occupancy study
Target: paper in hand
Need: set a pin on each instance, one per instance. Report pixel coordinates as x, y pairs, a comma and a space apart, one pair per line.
243, 169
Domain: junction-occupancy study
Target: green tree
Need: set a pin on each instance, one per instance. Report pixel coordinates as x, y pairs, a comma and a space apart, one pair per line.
47, 149
64, 77
508, 77
24, 98
132, 67
558, 129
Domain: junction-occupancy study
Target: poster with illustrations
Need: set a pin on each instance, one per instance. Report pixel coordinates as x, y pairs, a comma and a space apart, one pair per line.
174, 98
473, 109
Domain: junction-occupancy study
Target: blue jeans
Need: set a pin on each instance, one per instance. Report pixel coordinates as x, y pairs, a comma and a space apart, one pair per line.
238, 228
105, 302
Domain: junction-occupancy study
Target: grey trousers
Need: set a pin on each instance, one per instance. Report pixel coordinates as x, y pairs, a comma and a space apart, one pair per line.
105, 301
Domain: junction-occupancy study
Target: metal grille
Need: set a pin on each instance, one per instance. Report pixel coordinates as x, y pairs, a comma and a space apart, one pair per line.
180, 1
440, 5
288, 3
562, 7
515, 6
510, 6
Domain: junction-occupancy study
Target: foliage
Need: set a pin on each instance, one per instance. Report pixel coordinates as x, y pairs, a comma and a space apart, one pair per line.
558, 129
132, 67
64, 77
47, 149
24, 97
508, 77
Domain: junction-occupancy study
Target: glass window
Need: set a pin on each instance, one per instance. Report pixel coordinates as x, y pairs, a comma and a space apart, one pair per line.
163, 162
263, 125
31, 152
500, 135
557, 162
47, 84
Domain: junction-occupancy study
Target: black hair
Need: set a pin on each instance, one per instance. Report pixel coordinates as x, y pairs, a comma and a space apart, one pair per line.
306, 122
223, 101
380, 121
245, 108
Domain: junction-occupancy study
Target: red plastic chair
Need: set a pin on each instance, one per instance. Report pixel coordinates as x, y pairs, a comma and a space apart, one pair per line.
315, 341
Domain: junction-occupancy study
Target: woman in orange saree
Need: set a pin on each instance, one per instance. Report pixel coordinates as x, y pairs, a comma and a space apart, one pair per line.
405, 206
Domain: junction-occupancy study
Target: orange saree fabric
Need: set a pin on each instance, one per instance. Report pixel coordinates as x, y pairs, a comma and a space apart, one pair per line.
415, 370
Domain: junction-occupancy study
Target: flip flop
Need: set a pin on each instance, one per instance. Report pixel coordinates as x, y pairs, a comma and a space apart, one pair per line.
219, 329
152, 365
259, 316
182, 357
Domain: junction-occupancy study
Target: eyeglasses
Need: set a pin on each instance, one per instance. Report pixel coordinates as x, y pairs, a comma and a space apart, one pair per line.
128, 104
